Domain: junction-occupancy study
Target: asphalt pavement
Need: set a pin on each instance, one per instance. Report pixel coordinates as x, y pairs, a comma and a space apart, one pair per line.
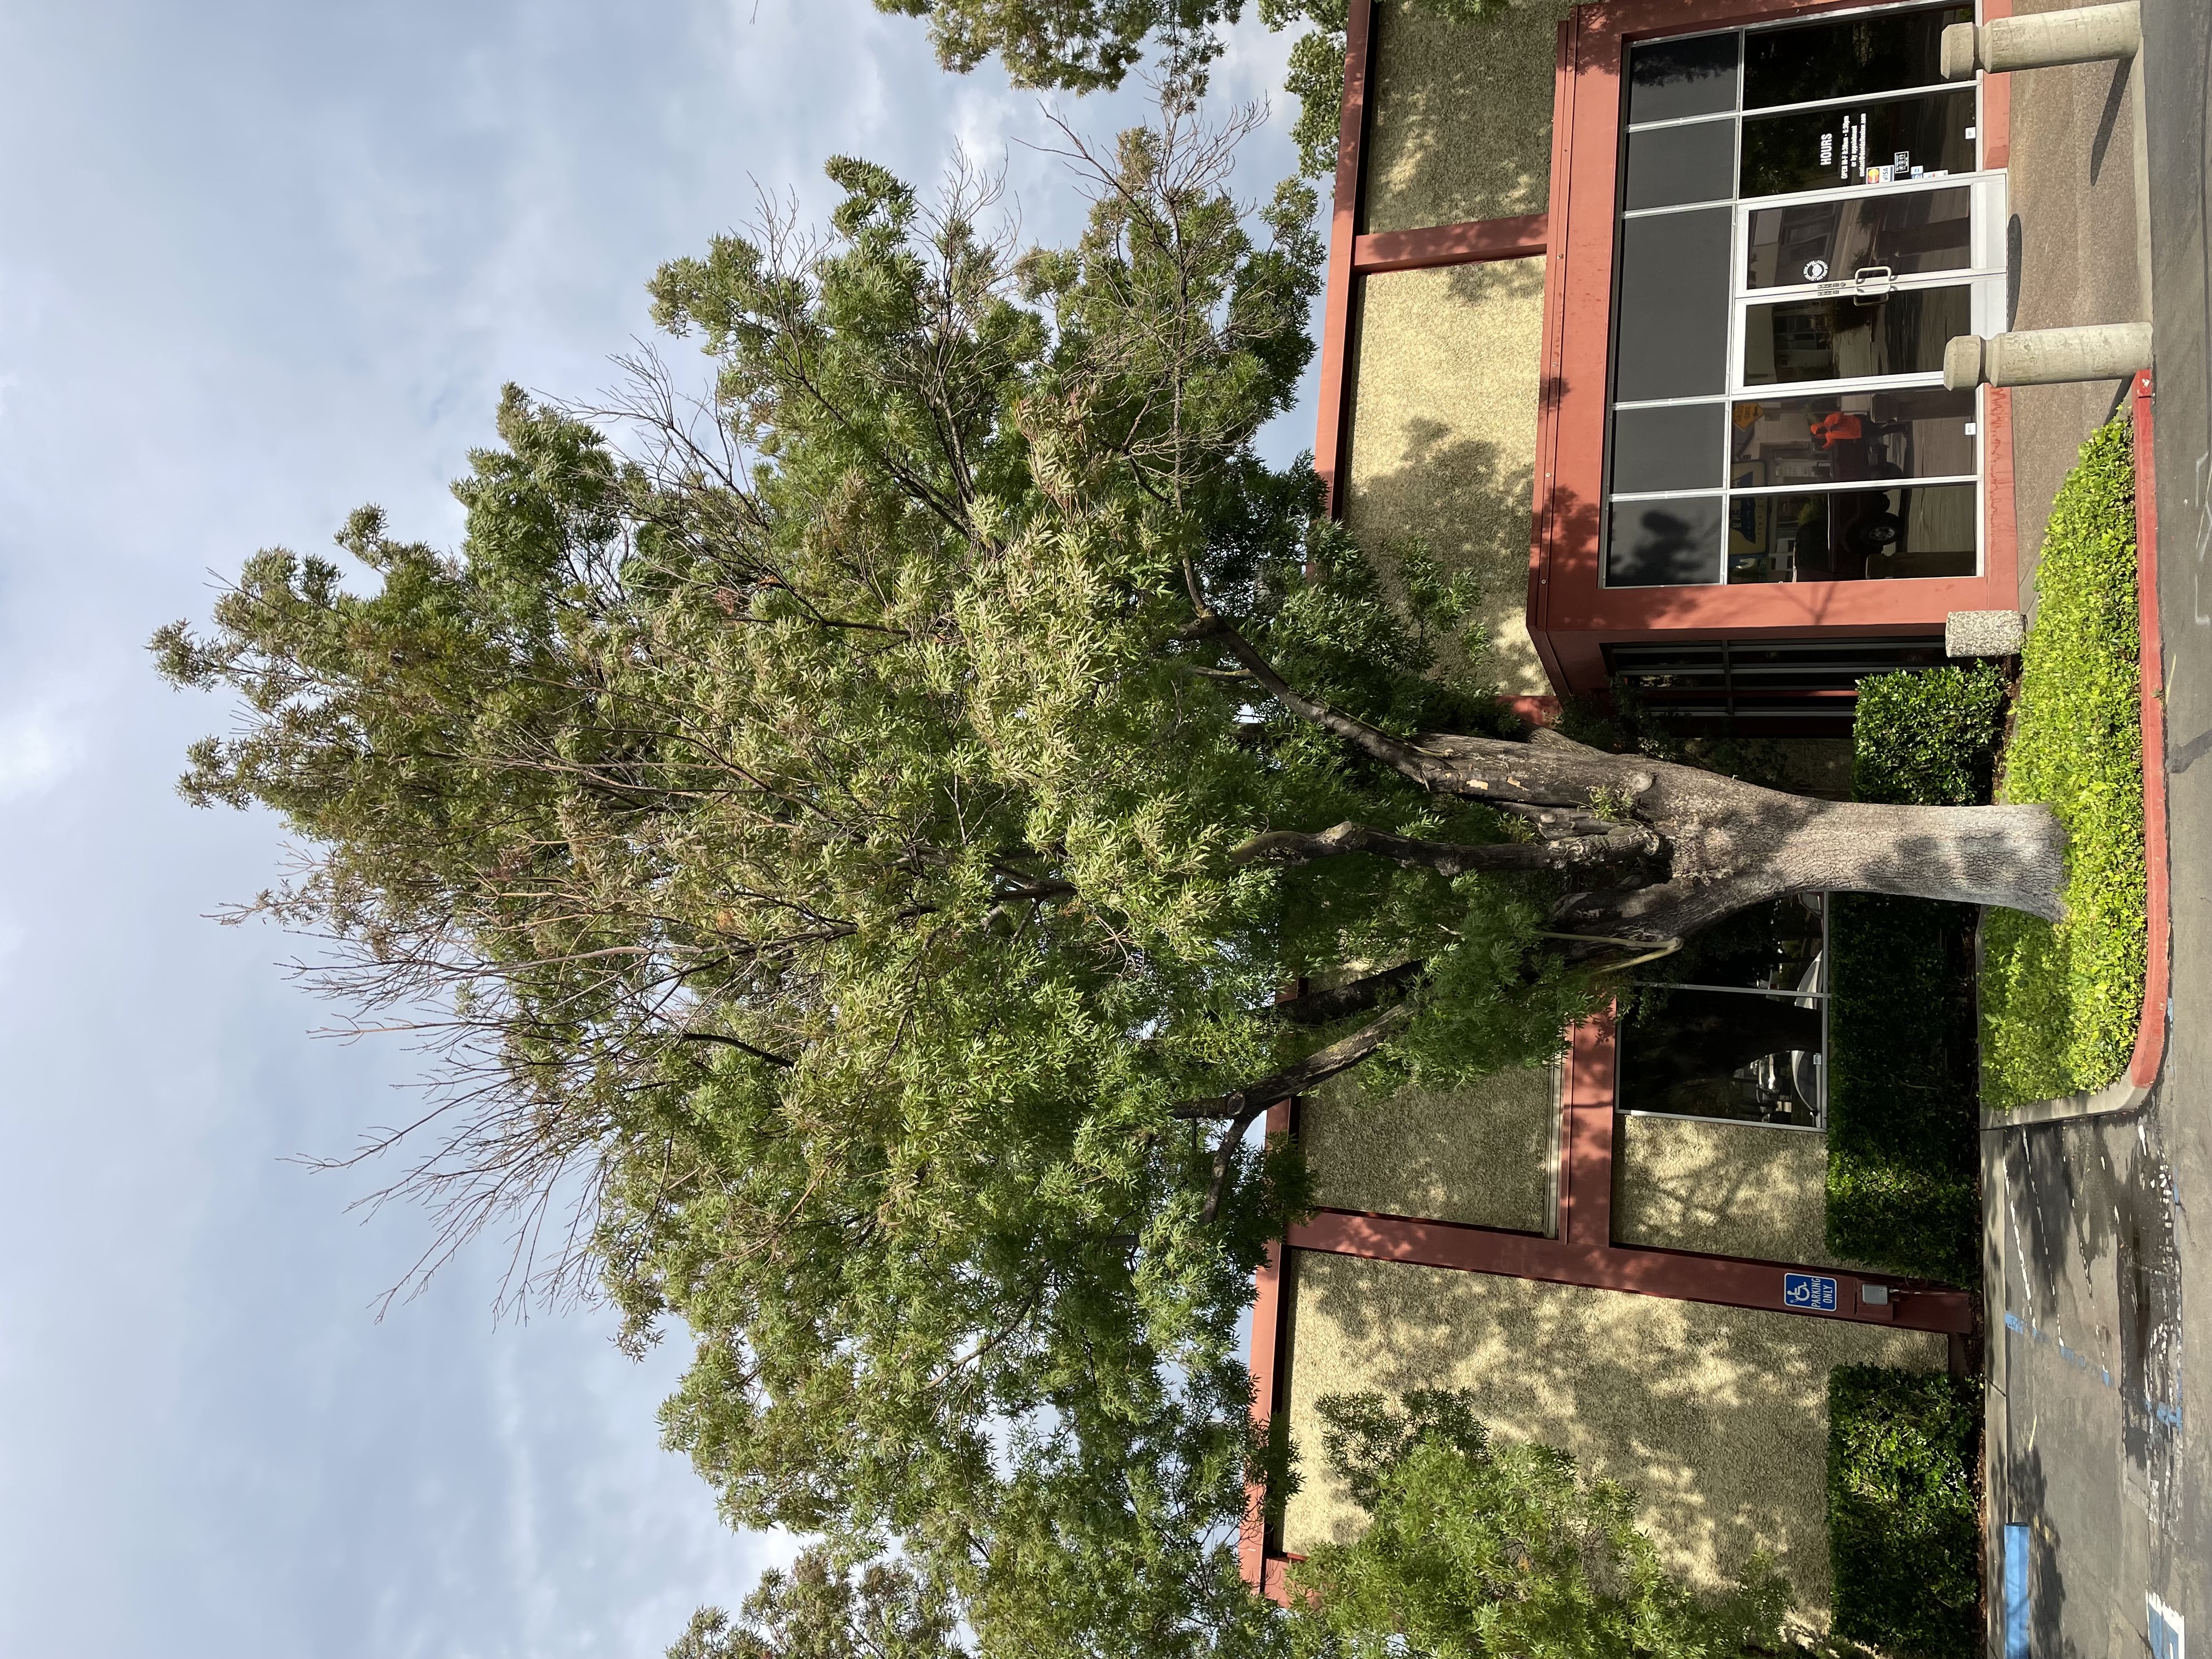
2100, 1231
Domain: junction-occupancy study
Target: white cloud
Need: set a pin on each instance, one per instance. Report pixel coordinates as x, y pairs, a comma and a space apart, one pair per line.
260, 263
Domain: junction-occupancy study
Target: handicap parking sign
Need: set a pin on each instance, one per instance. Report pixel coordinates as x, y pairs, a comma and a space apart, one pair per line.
1815, 1292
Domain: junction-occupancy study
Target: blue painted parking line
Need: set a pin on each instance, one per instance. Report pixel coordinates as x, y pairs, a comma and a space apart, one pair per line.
2015, 1591
2170, 1416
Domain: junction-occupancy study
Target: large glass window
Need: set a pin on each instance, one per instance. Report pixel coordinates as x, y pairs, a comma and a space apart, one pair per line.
1738, 1026
1799, 210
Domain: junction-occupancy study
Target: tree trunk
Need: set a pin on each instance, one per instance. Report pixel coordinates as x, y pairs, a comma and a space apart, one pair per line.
1724, 845
1732, 845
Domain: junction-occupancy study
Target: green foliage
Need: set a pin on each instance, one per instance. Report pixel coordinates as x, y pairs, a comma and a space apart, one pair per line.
1903, 1509
2060, 1004
804, 831
820, 1610
1928, 737
1904, 1191
1475, 1549
1089, 46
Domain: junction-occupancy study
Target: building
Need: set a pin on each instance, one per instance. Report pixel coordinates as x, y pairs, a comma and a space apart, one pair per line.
1636, 309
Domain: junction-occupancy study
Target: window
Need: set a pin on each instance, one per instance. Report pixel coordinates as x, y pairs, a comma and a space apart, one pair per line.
1799, 218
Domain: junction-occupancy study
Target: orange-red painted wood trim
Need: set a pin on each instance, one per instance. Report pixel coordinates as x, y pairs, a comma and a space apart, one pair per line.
1253, 1561
2150, 1032
1470, 243
1343, 231
1585, 1219
1997, 104
1676, 1275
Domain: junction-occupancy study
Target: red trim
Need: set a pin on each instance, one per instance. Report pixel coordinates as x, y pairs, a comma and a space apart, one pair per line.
1253, 1564
1343, 227
1571, 615
1996, 102
2150, 1032
1585, 1220
1470, 243
1675, 1275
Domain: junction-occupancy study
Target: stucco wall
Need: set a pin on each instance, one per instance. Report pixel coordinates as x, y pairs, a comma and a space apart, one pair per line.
1481, 1155
1460, 122
1717, 1416
1723, 1189
1443, 435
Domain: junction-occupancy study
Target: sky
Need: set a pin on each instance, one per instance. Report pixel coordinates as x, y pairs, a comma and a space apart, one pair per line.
259, 264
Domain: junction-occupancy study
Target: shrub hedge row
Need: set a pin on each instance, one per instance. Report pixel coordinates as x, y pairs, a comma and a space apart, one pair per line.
2060, 1004
1904, 1512
1902, 1111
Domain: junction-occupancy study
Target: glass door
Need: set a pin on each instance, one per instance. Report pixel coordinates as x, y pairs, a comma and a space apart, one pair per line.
1847, 461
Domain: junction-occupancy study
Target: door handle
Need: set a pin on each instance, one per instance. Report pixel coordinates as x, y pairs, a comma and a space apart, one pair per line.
1872, 284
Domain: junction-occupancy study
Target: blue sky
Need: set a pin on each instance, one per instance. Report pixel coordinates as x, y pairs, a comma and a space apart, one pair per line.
259, 264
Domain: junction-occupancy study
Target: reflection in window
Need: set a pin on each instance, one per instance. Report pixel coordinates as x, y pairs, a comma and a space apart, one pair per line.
1668, 79
1664, 543
1884, 52
1884, 143
1846, 335
1916, 432
1852, 535
1737, 1030
1906, 234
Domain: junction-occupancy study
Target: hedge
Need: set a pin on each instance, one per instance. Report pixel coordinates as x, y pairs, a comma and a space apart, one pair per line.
2060, 1004
1902, 1167
1903, 1511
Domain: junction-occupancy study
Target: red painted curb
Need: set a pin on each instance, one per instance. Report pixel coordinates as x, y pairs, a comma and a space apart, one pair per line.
2150, 1032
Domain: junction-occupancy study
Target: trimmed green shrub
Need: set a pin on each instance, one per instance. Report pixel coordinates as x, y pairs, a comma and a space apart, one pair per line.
2060, 1004
1903, 1167
1928, 737
1903, 1509
1904, 1190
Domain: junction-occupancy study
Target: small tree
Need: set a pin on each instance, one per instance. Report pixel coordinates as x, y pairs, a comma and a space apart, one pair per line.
1475, 1550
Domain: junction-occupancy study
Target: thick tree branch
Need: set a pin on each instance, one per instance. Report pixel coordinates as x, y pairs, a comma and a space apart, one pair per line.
1317, 1068
1241, 1106
1327, 1007
1376, 744
1448, 858
1561, 773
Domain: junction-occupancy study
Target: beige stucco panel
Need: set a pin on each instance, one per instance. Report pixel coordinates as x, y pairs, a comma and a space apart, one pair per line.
1717, 1416
1481, 1155
1443, 436
1722, 1188
1460, 123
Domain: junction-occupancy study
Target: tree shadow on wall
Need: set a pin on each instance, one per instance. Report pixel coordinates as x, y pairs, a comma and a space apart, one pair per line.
1461, 127
1470, 505
1721, 1432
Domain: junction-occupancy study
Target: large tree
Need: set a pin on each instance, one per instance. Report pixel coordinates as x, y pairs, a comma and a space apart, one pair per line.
850, 840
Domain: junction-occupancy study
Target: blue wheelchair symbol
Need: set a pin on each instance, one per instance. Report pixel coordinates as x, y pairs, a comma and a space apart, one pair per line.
1815, 1293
